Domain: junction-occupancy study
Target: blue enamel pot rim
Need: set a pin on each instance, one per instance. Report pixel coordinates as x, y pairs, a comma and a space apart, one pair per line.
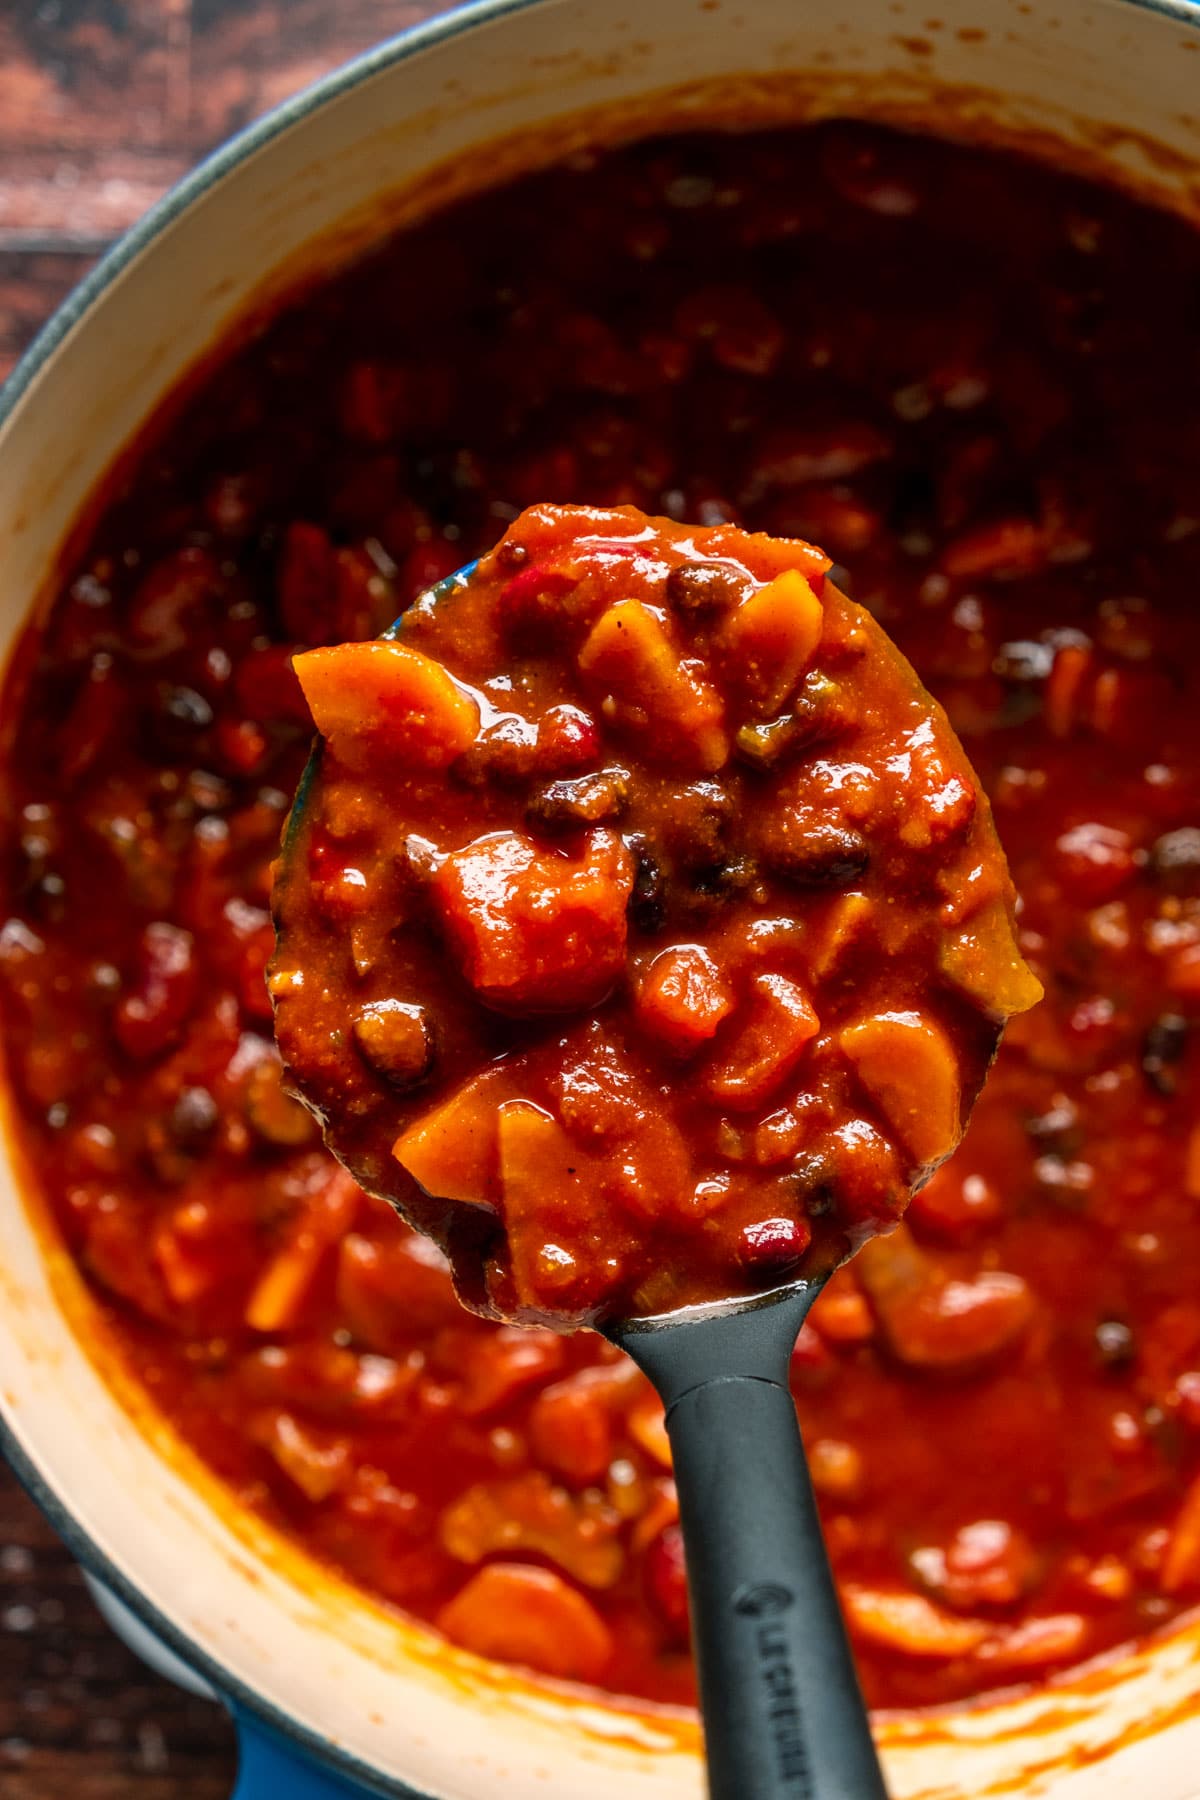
444, 28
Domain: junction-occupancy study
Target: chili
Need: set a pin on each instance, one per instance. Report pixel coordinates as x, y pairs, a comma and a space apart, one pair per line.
989, 423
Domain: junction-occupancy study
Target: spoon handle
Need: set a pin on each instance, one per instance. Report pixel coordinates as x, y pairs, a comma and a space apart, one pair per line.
784, 1717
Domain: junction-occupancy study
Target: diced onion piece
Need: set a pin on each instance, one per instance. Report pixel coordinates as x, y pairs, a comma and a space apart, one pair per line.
451, 1151
907, 1063
630, 652
513, 1612
383, 698
771, 638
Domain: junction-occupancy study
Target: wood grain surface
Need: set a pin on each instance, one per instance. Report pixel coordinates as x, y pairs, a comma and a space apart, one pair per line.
103, 104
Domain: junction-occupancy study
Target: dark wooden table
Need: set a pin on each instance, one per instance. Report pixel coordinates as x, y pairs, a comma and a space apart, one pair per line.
104, 103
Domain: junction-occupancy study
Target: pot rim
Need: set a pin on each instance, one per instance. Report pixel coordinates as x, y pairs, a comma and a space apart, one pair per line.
466, 16
463, 16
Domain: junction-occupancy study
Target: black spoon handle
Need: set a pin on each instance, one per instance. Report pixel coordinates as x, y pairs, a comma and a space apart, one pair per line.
784, 1718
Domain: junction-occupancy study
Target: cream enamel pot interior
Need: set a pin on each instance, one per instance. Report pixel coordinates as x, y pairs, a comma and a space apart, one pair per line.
332, 1681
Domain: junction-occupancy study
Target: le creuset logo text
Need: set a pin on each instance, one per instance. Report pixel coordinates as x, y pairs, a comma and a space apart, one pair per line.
763, 1603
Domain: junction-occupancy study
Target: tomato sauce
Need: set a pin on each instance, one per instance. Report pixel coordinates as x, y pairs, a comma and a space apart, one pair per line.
974, 382
643, 933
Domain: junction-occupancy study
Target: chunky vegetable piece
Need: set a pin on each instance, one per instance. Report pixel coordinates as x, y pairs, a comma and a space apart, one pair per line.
632, 1194
650, 329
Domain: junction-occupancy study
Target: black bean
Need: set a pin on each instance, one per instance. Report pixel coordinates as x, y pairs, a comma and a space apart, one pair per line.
193, 1116
1162, 1046
724, 880
1177, 854
825, 856
700, 587
1056, 1125
579, 800
186, 707
397, 1041
1026, 660
1115, 1343
696, 823
648, 901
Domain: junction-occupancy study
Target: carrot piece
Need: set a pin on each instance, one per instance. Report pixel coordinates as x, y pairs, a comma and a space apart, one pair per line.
630, 652
1181, 1564
909, 1623
283, 1286
908, 1064
383, 698
512, 1612
779, 1025
647, 1426
771, 638
683, 997
451, 1151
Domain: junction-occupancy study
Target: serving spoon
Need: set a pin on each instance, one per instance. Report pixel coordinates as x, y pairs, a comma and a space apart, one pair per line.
784, 1716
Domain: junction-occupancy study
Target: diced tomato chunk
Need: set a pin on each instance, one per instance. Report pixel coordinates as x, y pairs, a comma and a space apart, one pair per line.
390, 1292
514, 1612
683, 997
536, 930
932, 1322
765, 1046
571, 1426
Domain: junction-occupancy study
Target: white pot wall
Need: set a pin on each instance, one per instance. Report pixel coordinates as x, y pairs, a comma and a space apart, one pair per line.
251, 1611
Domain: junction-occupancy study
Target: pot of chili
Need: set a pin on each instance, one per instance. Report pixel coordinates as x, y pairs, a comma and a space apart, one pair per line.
692, 285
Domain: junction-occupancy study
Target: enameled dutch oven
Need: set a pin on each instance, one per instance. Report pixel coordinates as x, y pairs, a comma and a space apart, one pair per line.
332, 1695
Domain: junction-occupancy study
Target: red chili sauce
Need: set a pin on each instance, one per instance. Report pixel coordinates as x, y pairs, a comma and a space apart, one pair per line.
643, 933
975, 382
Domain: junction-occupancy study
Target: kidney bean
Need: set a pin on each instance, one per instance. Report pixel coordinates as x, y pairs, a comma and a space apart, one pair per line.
166, 980
99, 713
665, 1577
871, 170
168, 602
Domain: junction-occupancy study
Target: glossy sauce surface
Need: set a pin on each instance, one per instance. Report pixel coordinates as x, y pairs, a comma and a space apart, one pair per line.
987, 422
643, 932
